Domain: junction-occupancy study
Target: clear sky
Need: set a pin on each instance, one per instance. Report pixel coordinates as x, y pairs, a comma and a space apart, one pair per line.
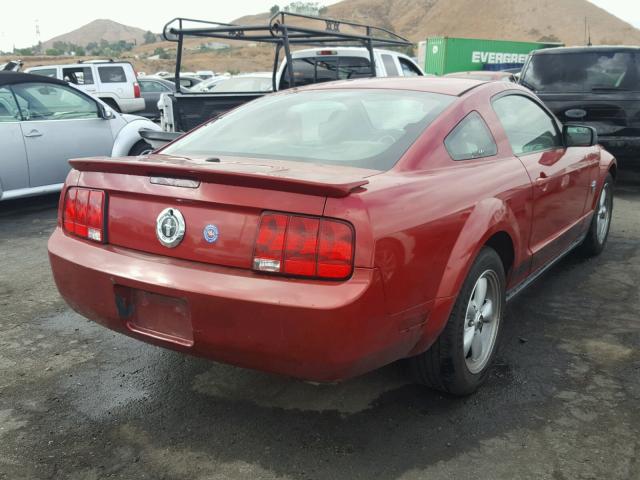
18, 26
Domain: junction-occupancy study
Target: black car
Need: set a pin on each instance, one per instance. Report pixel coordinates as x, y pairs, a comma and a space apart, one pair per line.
596, 86
151, 88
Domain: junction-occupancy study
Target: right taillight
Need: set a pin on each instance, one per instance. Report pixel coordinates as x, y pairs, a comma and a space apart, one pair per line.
304, 246
83, 213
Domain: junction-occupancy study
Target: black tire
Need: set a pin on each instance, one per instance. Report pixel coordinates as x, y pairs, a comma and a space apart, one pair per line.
593, 243
140, 148
112, 103
444, 366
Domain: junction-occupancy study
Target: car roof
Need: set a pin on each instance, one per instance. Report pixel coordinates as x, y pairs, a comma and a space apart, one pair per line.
88, 63
362, 51
442, 85
586, 49
9, 78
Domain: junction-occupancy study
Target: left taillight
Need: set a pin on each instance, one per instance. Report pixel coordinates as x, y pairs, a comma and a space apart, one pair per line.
303, 246
83, 213
136, 90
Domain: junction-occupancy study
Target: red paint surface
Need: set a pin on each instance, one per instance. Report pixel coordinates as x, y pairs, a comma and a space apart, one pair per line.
418, 228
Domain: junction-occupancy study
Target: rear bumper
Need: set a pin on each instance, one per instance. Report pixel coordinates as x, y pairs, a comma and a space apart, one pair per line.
620, 145
319, 331
130, 105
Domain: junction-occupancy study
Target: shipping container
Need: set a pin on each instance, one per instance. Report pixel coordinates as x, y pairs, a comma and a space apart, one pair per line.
447, 54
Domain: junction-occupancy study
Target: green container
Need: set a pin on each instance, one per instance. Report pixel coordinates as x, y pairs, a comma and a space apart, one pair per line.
447, 55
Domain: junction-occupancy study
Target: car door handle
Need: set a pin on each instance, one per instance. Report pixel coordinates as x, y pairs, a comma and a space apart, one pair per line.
33, 133
542, 179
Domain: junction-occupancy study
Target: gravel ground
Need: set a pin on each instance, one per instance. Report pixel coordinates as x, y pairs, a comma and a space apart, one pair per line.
80, 402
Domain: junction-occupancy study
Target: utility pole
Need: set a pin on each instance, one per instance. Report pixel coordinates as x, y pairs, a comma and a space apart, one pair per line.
38, 43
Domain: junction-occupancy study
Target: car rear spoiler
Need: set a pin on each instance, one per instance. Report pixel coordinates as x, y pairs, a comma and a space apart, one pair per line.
223, 173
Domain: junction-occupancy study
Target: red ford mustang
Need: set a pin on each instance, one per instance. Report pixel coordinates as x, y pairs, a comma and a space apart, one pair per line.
326, 231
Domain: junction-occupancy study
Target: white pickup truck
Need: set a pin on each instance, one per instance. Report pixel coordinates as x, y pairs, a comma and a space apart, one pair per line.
182, 111
340, 50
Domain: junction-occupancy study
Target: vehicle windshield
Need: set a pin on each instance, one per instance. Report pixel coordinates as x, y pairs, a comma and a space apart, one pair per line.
583, 72
368, 129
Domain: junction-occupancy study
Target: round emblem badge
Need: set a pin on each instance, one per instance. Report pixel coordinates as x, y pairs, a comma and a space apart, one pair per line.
170, 227
210, 233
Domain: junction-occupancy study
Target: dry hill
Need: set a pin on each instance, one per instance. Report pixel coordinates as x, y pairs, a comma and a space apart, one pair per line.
496, 19
98, 30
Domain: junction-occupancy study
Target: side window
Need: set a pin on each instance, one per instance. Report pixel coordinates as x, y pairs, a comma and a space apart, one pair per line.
112, 74
528, 127
45, 72
78, 75
408, 68
471, 138
389, 65
9, 111
42, 101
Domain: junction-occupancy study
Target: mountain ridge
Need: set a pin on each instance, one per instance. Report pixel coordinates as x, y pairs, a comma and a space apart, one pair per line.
544, 20
97, 30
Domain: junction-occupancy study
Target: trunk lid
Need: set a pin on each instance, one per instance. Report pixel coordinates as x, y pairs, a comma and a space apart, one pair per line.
229, 194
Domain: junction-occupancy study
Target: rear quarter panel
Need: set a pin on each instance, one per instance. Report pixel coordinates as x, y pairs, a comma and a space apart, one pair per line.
428, 218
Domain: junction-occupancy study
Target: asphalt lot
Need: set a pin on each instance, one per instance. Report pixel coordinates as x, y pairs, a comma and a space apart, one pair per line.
80, 402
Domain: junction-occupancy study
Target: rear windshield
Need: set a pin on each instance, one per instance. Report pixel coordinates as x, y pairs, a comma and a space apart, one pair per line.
310, 70
583, 72
367, 129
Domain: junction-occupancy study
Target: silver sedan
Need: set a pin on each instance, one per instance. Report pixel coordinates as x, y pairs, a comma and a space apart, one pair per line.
45, 122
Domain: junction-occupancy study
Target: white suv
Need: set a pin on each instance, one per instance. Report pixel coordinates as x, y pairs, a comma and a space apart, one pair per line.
115, 83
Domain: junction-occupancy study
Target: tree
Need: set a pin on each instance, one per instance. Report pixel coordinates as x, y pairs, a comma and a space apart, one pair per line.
23, 52
275, 9
162, 53
54, 52
58, 45
149, 37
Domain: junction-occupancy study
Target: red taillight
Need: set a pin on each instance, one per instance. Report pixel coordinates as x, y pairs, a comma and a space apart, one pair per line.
301, 247
136, 90
83, 213
335, 250
267, 255
304, 246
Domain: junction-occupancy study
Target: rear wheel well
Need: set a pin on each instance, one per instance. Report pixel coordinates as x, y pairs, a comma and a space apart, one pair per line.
613, 170
503, 245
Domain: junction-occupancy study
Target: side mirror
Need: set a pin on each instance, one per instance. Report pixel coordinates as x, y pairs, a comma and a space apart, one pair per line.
579, 136
105, 112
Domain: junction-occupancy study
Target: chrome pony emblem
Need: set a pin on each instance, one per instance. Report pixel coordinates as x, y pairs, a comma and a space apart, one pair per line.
170, 227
